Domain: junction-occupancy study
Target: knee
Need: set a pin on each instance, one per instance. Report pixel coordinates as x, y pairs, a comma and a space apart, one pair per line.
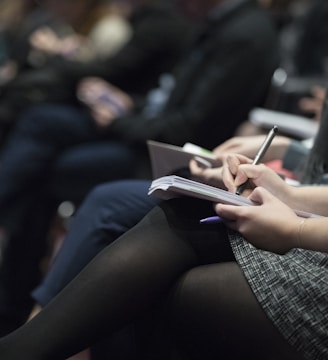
118, 205
104, 202
104, 194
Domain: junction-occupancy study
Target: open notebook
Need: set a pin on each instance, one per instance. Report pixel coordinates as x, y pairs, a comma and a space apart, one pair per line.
168, 187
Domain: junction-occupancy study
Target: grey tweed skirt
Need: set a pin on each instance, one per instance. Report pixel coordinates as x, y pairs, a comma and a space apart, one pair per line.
293, 291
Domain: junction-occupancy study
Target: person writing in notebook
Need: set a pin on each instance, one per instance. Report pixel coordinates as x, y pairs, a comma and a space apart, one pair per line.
259, 278
98, 221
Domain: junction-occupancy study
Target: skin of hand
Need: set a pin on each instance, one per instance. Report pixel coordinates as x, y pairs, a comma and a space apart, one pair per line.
46, 40
249, 145
271, 226
314, 103
237, 169
228, 176
210, 176
7, 72
94, 92
70, 46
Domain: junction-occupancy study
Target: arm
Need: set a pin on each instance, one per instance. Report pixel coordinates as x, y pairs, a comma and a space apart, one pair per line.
152, 49
237, 169
205, 93
273, 225
291, 152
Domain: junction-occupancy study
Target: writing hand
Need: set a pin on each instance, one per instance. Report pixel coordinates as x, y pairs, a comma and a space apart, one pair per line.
237, 169
272, 225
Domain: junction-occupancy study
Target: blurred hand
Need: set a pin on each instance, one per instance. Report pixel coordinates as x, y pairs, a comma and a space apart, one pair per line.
314, 103
46, 40
7, 72
71, 45
210, 176
105, 101
249, 145
271, 225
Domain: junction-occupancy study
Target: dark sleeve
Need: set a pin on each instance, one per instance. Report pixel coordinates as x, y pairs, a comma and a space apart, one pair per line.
154, 48
312, 47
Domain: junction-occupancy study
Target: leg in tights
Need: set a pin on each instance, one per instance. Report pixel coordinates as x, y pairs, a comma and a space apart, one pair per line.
108, 212
214, 302
122, 282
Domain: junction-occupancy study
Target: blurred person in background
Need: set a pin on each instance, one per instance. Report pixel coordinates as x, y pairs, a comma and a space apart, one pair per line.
158, 40
81, 30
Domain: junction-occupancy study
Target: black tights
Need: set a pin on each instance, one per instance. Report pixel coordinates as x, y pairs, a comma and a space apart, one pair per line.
168, 256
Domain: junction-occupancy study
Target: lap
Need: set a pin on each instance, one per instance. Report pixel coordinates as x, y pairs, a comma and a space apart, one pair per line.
216, 301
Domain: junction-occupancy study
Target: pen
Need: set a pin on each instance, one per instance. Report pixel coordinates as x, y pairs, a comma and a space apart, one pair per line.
202, 162
210, 220
260, 154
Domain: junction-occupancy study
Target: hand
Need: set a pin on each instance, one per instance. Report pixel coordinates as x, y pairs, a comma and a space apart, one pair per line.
210, 176
249, 145
314, 103
46, 40
8, 71
271, 225
105, 101
237, 169
71, 46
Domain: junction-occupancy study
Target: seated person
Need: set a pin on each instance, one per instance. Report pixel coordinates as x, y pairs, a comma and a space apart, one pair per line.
56, 71
213, 76
257, 278
99, 220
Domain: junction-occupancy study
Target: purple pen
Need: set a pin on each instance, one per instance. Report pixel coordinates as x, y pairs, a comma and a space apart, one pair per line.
210, 220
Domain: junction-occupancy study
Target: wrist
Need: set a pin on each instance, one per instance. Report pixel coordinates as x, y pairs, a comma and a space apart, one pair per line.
300, 232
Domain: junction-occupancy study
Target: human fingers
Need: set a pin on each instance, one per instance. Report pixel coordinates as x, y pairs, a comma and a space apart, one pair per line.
103, 115
261, 175
319, 92
211, 176
90, 89
246, 145
231, 163
310, 105
270, 225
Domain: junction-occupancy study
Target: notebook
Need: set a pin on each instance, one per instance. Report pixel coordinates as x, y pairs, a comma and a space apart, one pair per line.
171, 186
166, 159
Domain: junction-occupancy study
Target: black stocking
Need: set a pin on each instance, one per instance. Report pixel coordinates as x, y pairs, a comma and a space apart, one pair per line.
121, 283
215, 315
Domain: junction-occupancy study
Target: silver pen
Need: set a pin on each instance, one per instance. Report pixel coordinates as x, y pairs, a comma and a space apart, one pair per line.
260, 154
